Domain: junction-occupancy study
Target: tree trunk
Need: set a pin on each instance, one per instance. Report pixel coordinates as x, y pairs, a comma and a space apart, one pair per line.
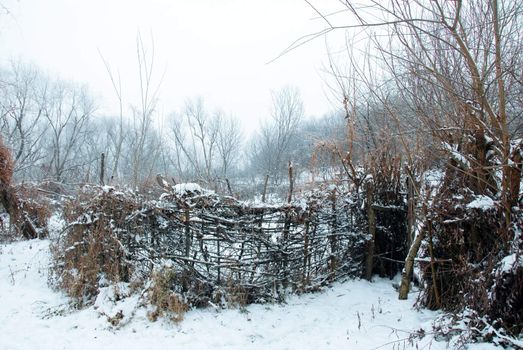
102, 169
411, 210
409, 265
291, 183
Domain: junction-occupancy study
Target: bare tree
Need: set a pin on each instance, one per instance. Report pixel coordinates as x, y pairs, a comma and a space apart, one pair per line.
196, 135
271, 149
67, 110
143, 114
21, 114
228, 144
454, 65
117, 137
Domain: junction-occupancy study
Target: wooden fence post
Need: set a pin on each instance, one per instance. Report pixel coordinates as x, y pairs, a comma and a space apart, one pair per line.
371, 216
218, 252
102, 169
187, 233
306, 250
229, 189
284, 251
265, 187
433, 268
332, 238
291, 183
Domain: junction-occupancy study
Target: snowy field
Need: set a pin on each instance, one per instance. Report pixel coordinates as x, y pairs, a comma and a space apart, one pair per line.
351, 315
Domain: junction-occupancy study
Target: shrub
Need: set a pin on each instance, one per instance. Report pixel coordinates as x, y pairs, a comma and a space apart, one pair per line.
90, 246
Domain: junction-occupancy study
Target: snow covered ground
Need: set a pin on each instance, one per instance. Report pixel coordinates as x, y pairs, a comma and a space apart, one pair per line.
352, 315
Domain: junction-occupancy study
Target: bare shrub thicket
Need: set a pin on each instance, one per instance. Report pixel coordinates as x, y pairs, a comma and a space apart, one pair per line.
445, 78
91, 249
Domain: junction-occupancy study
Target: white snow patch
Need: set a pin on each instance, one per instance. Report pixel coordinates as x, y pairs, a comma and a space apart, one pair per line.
352, 315
481, 202
116, 304
456, 155
107, 189
187, 187
511, 261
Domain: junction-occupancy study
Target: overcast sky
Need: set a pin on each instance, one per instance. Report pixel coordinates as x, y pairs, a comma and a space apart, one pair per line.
210, 48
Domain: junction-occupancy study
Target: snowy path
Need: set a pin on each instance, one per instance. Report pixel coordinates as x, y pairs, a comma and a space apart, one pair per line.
29, 317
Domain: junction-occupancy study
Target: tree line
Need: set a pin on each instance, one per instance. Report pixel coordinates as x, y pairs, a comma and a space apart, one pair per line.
56, 132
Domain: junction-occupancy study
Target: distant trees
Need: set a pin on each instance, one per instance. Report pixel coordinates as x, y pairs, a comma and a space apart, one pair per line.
207, 146
229, 144
22, 102
55, 132
44, 122
272, 146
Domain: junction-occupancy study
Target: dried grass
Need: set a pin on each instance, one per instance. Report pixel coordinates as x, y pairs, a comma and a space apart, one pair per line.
166, 302
6, 165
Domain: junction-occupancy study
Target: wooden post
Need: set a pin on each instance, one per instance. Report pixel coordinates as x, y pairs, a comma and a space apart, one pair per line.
229, 187
306, 251
332, 238
411, 218
218, 254
265, 187
286, 229
291, 183
371, 215
187, 233
102, 169
284, 245
433, 269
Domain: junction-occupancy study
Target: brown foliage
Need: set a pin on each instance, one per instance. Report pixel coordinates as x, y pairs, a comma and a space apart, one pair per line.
6, 165
91, 249
36, 207
9, 199
507, 299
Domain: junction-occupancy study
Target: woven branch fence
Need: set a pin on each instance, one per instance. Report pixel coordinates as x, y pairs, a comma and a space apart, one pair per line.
215, 245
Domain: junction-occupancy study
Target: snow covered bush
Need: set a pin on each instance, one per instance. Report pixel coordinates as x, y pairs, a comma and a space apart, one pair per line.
468, 263
89, 250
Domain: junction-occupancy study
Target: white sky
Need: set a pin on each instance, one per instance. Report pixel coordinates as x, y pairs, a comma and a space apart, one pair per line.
217, 49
